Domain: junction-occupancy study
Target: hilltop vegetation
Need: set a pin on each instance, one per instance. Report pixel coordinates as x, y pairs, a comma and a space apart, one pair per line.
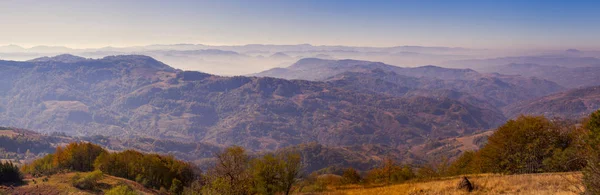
234, 172
528, 144
151, 170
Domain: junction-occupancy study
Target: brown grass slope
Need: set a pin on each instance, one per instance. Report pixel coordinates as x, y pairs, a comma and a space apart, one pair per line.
546, 183
60, 184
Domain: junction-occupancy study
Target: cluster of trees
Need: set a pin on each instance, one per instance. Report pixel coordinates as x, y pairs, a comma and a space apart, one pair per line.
9, 173
152, 170
77, 156
235, 172
528, 144
389, 172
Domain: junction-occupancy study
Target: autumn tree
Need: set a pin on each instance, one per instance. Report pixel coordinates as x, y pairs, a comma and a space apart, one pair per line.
351, 176
591, 173
465, 164
390, 172
528, 144
151, 170
290, 168
231, 173
266, 172
522, 145
77, 156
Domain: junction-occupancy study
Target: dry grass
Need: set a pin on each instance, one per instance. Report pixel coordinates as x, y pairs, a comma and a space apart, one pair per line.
555, 183
60, 184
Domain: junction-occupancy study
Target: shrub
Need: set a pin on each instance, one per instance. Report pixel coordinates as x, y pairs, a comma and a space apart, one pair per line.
176, 186
351, 176
39, 167
9, 173
88, 181
121, 190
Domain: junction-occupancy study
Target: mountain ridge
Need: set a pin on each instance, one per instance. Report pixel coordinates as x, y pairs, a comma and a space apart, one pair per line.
138, 96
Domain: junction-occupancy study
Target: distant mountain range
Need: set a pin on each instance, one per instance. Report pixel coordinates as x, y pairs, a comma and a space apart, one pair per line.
246, 59
137, 96
513, 92
352, 108
239, 48
498, 90
568, 60
571, 77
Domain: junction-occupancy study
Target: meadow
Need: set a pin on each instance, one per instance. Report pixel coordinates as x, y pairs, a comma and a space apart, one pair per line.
544, 183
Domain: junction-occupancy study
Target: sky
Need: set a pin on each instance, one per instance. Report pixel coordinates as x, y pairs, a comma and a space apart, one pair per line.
521, 24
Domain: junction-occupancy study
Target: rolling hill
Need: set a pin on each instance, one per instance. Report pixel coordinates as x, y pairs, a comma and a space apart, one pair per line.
573, 104
496, 89
571, 77
137, 96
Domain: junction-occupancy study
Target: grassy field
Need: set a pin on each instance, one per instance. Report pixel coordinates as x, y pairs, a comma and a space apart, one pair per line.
60, 184
555, 183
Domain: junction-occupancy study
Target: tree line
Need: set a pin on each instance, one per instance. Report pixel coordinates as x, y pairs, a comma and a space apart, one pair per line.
235, 172
151, 170
527, 144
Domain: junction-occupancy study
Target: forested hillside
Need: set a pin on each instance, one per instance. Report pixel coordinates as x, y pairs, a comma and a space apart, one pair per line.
137, 96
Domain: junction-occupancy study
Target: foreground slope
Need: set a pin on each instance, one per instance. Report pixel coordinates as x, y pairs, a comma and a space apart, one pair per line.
61, 184
545, 183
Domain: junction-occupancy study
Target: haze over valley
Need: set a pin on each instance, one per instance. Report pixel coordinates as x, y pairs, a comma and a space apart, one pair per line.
299, 97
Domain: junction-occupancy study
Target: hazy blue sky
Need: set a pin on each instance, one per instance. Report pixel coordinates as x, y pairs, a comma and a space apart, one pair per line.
478, 24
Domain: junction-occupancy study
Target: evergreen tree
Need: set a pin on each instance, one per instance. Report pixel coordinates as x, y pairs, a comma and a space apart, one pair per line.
9, 173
